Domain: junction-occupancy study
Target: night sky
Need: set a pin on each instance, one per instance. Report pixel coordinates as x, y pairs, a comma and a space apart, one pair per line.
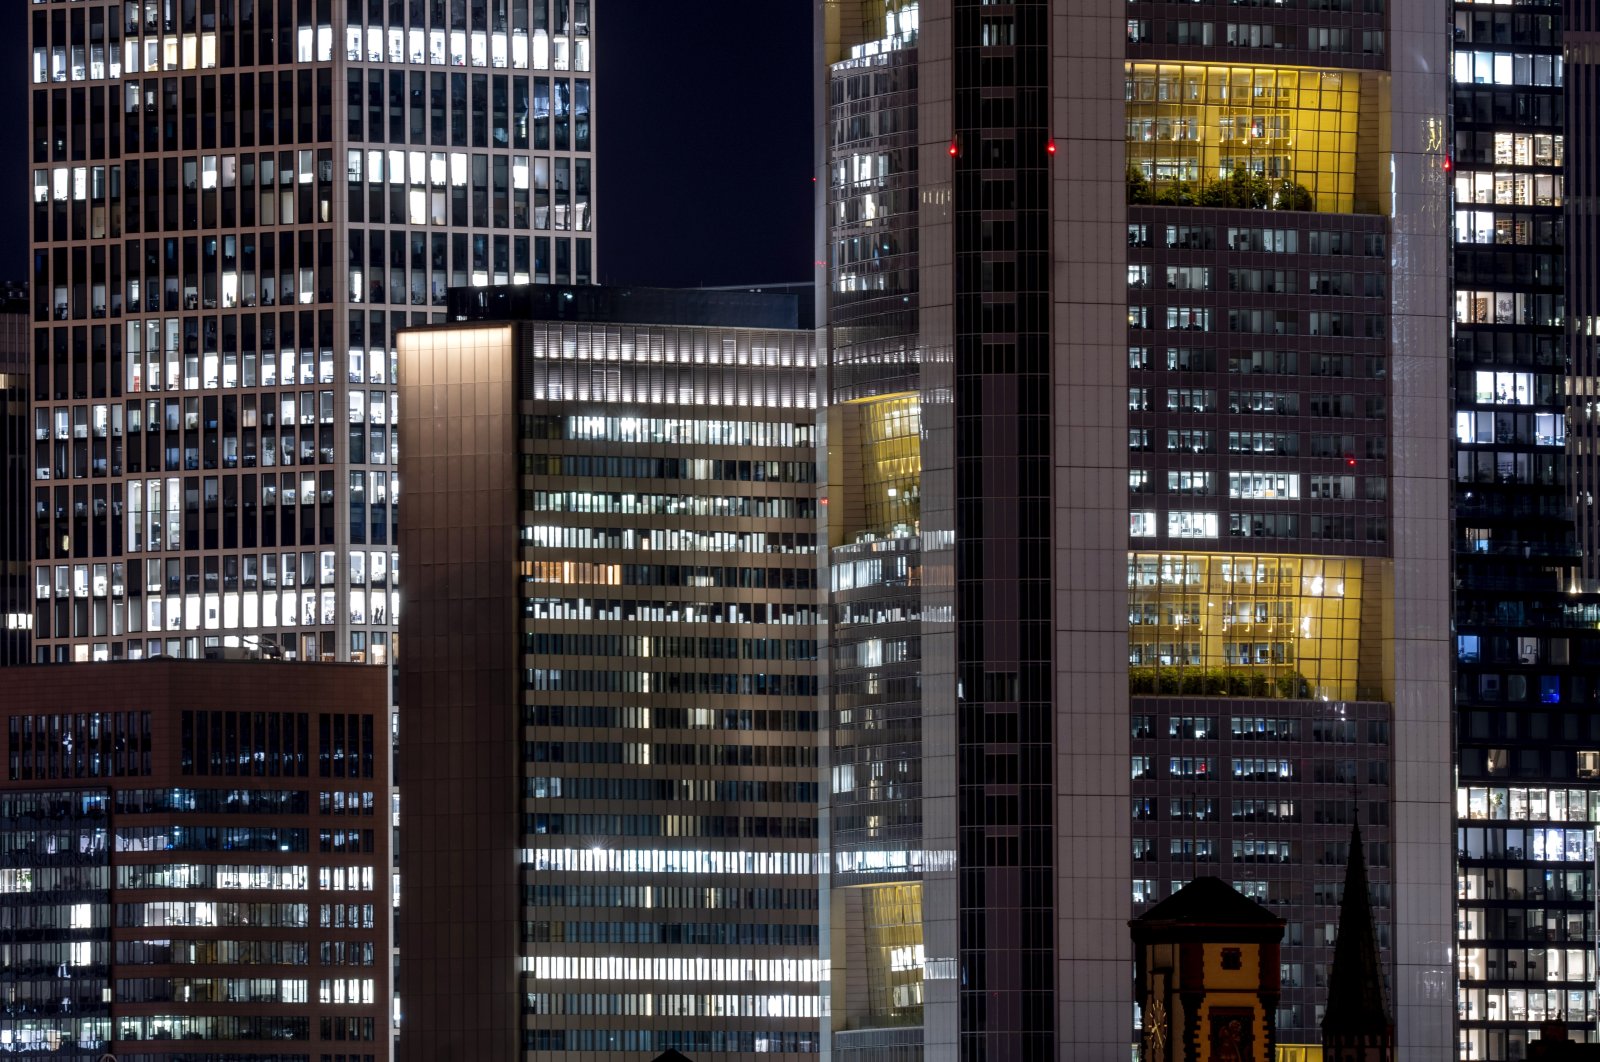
702, 125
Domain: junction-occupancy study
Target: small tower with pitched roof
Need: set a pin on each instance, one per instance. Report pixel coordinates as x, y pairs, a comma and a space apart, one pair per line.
1206, 970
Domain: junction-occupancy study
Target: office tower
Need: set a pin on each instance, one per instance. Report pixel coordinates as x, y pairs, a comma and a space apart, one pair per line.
1288, 373
16, 583
1527, 600
236, 205
196, 863
609, 685
1229, 337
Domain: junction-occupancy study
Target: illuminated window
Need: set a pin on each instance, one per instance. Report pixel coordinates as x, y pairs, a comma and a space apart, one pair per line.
572, 572
1201, 123
895, 962
1261, 485
891, 457
1245, 625
1502, 388
1189, 482
1183, 524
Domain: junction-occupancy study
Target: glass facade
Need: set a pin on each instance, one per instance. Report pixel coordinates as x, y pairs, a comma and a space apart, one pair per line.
1259, 413
236, 205
892, 916
892, 467
56, 903
656, 503
1277, 604
211, 879
1265, 329
878, 433
1276, 642
711, 639
1010, 675
1203, 123
1267, 625
1525, 601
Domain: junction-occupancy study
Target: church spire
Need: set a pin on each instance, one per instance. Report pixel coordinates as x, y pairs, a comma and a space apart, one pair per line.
1357, 1026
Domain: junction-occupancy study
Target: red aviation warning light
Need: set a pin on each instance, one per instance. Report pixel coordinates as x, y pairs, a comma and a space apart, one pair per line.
1050, 147
955, 148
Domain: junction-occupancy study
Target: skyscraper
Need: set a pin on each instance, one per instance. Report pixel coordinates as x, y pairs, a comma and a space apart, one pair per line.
236, 204
196, 863
609, 685
1527, 596
1137, 390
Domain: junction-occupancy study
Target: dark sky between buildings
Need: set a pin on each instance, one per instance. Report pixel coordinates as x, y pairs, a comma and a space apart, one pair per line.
702, 126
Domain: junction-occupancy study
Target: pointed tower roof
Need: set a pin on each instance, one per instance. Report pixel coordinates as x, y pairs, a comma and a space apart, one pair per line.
1357, 1006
